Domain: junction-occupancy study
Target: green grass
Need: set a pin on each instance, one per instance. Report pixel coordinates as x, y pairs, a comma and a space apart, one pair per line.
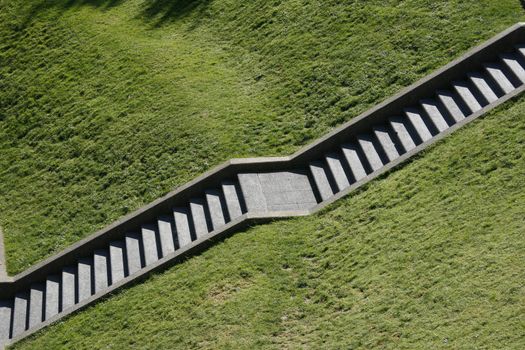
430, 256
107, 105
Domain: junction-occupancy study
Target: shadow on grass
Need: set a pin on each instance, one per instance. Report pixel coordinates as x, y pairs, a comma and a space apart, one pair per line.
156, 12
523, 4
63, 5
164, 11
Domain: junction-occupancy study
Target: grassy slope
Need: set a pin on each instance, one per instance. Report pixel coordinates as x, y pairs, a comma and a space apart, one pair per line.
430, 256
105, 105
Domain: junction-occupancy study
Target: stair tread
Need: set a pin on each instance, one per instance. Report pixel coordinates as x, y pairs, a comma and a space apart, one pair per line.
52, 296
512, 62
84, 281
398, 124
213, 198
167, 243
386, 142
36, 304
68, 287
354, 162
496, 72
449, 102
231, 196
149, 243
431, 108
198, 216
467, 96
335, 166
19, 313
116, 257
5, 320
133, 253
370, 152
100, 268
182, 226
318, 171
416, 120
483, 86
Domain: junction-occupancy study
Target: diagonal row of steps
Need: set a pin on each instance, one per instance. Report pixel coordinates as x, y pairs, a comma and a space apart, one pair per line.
384, 143
317, 178
120, 259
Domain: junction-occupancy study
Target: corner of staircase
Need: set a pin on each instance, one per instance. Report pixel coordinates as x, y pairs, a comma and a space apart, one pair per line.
4, 277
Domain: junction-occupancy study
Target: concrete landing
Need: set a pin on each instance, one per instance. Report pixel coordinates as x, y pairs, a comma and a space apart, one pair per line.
279, 191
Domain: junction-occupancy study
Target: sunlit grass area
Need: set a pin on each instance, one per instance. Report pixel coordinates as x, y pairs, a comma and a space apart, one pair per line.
105, 105
430, 256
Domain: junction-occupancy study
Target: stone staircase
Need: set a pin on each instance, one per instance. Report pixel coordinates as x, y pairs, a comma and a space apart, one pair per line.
246, 191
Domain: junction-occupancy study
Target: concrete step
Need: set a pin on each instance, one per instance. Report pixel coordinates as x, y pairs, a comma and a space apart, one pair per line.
84, 278
319, 172
451, 105
387, 144
467, 96
6, 307
198, 216
100, 268
401, 131
435, 113
354, 160
133, 252
372, 157
218, 212
496, 72
481, 83
52, 296
36, 304
231, 192
515, 65
20, 313
149, 244
166, 233
335, 166
418, 125
68, 285
182, 226
116, 261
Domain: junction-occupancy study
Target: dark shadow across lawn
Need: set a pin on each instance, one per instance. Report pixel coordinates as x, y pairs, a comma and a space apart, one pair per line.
163, 11
45, 5
158, 12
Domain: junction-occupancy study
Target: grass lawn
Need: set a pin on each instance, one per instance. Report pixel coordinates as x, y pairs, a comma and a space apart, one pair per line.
106, 105
430, 256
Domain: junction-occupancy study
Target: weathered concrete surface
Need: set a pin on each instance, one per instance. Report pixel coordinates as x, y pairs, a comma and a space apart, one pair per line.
277, 191
3, 266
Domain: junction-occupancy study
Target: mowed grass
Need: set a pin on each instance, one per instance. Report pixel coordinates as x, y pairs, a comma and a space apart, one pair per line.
430, 256
106, 105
